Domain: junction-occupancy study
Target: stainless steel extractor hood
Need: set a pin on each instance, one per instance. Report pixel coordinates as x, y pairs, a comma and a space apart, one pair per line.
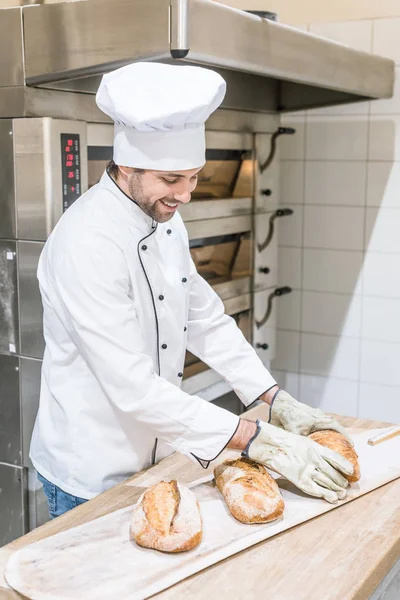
269, 67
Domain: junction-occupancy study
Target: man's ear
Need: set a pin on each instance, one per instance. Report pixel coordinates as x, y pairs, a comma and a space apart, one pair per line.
122, 169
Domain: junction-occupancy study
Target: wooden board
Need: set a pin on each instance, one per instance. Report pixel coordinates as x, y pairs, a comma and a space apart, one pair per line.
340, 554
105, 564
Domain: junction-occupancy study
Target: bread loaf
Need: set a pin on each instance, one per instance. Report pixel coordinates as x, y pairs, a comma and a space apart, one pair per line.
337, 442
250, 493
167, 518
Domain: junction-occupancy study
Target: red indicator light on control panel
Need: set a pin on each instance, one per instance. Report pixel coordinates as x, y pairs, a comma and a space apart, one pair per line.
70, 163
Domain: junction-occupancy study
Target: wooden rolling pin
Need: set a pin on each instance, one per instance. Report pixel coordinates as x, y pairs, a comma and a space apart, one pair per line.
384, 435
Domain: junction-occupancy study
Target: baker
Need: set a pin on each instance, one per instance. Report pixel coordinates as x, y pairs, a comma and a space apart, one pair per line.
123, 301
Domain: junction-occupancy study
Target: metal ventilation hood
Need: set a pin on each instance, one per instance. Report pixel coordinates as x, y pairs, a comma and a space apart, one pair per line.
269, 67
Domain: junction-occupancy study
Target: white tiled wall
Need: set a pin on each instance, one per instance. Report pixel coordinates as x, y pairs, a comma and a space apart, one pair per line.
357, 34
336, 183
386, 38
338, 342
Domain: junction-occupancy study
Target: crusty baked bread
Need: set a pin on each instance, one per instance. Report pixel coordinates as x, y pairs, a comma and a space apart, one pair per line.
250, 493
167, 518
337, 442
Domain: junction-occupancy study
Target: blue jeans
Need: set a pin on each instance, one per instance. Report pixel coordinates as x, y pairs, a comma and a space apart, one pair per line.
58, 502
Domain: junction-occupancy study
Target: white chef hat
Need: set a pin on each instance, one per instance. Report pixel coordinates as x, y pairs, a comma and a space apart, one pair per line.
159, 113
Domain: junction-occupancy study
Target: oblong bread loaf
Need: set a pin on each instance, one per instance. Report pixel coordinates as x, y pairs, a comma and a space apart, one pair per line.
337, 442
249, 491
167, 518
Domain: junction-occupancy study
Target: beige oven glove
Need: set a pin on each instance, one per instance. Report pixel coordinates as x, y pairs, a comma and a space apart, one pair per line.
312, 468
296, 417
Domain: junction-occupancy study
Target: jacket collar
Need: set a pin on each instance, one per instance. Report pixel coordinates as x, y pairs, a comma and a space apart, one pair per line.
108, 182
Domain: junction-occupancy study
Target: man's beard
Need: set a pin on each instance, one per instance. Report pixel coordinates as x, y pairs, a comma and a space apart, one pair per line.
152, 209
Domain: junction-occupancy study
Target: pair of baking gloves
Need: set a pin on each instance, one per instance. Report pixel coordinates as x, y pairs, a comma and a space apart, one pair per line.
282, 445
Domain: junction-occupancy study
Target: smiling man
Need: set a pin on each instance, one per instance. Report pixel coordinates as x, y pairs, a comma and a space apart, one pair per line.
158, 193
123, 301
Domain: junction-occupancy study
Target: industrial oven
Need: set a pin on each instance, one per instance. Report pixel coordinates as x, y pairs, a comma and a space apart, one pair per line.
55, 144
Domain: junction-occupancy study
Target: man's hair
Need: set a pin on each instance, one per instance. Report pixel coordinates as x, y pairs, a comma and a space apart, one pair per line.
113, 170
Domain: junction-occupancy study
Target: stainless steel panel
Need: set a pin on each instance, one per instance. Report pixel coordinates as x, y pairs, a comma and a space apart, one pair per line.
244, 91
233, 306
35, 102
267, 333
256, 45
13, 503
268, 258
7, 191
212, 209
83, 85
229, 140
295, 96
139, 30
103, 135
9, 338
30, 179
237, 120
230, 289
267, 183
30, 373
37, 503
179, 25
267, 199
212, 227
10, 416
12, 102
38, 173
31, 310
100, 134
249, 47
11, 48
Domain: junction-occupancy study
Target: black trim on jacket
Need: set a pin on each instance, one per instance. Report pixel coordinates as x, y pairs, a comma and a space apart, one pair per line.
205, 463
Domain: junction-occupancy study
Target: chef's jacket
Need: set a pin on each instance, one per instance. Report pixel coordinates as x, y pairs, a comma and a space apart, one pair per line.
122, 301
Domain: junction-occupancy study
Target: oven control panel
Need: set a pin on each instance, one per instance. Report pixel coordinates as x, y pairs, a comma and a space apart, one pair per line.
70, 168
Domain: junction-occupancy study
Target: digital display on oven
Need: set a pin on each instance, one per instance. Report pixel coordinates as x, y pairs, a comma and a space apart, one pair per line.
70, 168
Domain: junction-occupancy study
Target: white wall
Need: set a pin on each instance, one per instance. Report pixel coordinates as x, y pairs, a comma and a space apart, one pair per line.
307, 11
339, 332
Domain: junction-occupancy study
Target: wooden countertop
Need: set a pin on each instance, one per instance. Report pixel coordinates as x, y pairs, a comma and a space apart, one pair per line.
343, 554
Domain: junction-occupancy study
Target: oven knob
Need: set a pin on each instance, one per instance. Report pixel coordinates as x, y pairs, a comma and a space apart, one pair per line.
262, 346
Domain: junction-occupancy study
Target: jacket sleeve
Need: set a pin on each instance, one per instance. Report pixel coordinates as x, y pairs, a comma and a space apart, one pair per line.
215, 338
92, 297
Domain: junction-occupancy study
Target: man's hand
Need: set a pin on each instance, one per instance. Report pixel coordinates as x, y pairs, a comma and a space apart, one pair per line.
314, 469
296, 417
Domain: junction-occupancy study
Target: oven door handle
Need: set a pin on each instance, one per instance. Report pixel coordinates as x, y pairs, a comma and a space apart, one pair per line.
272, 151
281, 212
275, 294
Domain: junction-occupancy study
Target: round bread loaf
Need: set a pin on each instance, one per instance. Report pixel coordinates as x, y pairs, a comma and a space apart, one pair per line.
250, 493
337, 442
167, 518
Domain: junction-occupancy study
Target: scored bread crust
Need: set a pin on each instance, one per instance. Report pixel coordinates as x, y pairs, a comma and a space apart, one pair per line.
249, 491
167, 518
338, 442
